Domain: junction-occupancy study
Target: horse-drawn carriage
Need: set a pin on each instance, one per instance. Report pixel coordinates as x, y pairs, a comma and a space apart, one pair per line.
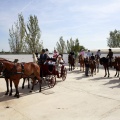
50, 71
13, 72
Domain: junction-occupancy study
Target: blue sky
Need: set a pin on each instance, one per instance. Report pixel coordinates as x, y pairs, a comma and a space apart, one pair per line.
88, 20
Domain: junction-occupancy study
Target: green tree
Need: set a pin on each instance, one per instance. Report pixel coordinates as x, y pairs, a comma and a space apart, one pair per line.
70, 45
33, 34
61, 46
114, 39
17, 36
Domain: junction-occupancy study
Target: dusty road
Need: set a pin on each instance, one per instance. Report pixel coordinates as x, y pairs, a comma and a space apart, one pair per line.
76, 98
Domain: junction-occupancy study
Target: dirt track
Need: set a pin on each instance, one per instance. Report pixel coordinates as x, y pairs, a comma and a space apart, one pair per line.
77, 98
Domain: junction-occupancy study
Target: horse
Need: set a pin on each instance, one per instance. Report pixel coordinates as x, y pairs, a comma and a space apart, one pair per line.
71, 62
117, 66
17, 71
92, 65
82, 62
35, 60
105, 62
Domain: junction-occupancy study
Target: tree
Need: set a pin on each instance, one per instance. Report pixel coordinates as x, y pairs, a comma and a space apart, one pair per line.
33, 35
17, 36
70, 45
114, 39
61, 47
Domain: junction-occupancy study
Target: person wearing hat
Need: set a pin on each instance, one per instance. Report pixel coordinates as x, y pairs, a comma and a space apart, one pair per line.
43, 57
110, 56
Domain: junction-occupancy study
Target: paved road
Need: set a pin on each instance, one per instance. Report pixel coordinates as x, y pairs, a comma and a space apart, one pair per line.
77, 98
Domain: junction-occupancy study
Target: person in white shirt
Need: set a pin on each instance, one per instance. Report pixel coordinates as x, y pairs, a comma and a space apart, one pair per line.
89, 54
98, 53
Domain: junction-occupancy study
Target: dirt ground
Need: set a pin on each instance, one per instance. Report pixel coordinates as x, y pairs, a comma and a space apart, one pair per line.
76, 98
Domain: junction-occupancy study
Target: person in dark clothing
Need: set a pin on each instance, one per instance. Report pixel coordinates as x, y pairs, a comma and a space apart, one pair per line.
42, 59
92, 57
86, 66
110, 56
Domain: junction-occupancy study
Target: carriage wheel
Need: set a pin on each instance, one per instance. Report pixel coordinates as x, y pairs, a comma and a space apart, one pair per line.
64, 74
52, 81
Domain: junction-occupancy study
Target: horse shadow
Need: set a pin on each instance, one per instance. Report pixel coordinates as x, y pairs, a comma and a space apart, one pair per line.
23, 92
101, 78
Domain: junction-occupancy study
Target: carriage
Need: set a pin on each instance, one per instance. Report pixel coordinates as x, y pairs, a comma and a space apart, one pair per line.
50, 72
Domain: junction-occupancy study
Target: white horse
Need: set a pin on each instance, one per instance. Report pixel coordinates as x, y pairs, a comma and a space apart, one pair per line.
35, 60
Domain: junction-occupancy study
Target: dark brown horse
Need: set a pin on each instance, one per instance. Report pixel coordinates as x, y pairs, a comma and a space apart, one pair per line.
71, 62
82, 62
15, 72
106, 64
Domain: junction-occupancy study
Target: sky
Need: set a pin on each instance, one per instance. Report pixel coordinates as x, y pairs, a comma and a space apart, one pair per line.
88, 20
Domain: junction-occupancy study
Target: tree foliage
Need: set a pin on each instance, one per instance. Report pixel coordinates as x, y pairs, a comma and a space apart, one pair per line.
25, 38
114, 39
17, 36
33, 35
61, 46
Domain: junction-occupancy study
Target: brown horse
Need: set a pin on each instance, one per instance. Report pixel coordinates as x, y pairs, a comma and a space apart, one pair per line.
82, 62
92, 64
71, 62
15, 72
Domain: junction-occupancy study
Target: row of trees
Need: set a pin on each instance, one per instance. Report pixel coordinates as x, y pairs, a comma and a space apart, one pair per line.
25, 37
71, 45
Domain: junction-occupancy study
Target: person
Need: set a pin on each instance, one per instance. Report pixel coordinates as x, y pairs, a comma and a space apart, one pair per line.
86, 66
55, 54
59, 64
43, 57
82, 53
92, 57
98, 53
88, 54
36, 53
72, 53
110, 56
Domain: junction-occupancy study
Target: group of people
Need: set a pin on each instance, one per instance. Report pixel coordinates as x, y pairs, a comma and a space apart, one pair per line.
91, 56
56, 59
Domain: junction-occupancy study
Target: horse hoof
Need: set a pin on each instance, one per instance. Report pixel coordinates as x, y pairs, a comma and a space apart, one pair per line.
10, 94
30, 91
22, 87
6, 93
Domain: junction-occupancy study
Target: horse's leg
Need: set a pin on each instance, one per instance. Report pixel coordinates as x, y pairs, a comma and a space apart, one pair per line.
23, 83
7, 85
105, 71
80, 66
69, 66
16, 82
10, 88
108, 71
33, 79
28, 82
